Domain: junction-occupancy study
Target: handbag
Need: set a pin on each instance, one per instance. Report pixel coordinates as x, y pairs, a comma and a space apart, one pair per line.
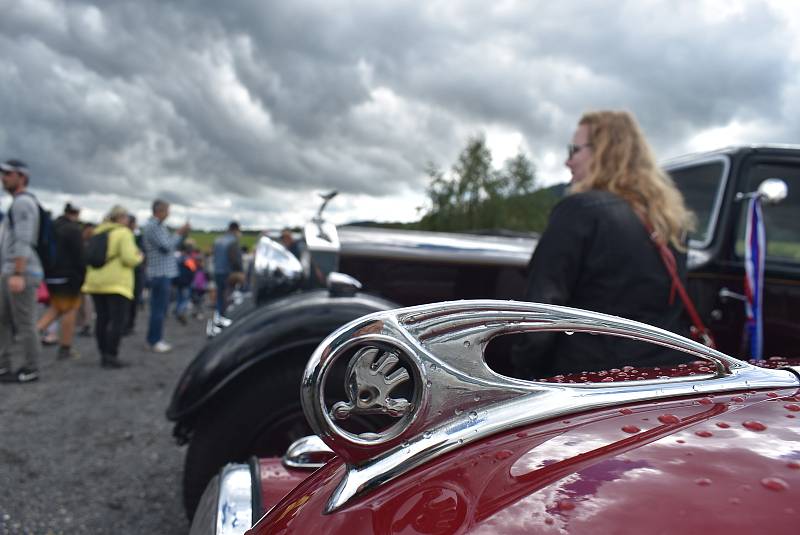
698, 331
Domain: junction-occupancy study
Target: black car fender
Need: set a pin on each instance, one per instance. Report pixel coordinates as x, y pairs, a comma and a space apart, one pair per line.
268, 333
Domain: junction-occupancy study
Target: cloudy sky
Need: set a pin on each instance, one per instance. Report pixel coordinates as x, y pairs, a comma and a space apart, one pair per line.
247, 109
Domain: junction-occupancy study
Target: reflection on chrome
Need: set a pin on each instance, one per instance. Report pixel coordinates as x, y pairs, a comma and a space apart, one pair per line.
226, 507
308, 453
457, 399
274, 261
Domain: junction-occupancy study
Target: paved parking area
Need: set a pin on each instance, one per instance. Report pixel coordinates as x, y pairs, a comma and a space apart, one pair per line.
87, 450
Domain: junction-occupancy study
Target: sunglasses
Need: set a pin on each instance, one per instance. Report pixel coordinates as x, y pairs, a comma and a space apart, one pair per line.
573, 149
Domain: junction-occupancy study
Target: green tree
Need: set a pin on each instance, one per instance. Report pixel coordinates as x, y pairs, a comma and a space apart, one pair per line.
475, 196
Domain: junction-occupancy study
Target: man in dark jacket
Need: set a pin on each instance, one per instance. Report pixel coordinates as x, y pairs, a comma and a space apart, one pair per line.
67, 278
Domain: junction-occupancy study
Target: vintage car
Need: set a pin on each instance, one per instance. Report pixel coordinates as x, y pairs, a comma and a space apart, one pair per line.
709, 446
238, 397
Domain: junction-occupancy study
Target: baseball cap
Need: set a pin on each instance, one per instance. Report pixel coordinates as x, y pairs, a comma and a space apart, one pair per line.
9, 166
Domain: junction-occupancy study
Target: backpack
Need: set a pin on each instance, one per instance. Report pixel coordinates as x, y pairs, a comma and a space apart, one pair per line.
46, 239
97, 249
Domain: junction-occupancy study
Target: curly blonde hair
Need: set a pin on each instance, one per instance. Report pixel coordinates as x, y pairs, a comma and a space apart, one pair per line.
623, 164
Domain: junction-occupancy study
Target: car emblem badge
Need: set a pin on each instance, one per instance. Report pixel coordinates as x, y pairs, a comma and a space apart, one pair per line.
370, 380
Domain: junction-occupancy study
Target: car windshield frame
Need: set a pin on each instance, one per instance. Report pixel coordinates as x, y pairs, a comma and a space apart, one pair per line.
708, 231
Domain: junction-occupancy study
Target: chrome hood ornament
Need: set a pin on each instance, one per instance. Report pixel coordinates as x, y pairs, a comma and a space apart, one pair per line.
370, 382
422, 369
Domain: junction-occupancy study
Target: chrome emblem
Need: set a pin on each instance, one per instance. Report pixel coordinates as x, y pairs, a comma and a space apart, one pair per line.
369, 383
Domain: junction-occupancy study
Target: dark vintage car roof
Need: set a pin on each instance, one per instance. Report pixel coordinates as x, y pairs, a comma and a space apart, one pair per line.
700, 464
436, 246
729, 151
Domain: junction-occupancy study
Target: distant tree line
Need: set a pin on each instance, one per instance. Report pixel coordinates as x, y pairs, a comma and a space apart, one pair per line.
474, 196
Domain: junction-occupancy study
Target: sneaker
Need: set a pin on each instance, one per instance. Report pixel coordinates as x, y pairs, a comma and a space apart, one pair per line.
23, 375
161, 347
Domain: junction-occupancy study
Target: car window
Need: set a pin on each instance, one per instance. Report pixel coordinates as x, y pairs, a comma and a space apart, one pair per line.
781, 221
700, 185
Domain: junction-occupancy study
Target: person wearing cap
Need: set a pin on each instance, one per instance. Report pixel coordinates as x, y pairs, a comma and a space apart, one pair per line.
64, 283
161, 267
111, 286
227, 264
20, 275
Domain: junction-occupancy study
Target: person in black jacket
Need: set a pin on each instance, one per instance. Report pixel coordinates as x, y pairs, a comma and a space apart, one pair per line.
596, 253
66, 280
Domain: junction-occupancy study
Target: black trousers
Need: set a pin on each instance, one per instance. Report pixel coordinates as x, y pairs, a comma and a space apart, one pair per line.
112, 313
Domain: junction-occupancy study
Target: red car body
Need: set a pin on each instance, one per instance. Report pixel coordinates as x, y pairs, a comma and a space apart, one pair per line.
712, 446
722, 464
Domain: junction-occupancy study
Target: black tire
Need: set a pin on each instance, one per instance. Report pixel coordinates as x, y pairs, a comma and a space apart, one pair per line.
258, 415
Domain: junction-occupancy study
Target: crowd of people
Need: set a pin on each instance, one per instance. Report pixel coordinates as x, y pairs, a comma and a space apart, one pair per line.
94, 278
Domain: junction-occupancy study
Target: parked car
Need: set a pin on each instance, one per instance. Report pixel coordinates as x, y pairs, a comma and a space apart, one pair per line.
237, 397
704, 447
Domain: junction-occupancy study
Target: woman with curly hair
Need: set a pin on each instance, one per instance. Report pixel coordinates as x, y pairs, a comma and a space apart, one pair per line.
597, 252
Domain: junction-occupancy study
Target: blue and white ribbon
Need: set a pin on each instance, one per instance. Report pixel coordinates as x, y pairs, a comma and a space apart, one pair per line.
755, 250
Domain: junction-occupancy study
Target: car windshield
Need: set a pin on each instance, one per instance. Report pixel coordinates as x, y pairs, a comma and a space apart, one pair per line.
699, 185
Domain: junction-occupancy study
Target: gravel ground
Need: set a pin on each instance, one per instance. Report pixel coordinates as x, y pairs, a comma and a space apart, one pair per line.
87, 450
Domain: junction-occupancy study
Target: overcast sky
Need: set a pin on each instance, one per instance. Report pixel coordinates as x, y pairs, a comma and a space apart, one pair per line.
248, 109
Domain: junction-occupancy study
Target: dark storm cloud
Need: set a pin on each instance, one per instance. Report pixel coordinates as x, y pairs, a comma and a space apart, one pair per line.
256, 101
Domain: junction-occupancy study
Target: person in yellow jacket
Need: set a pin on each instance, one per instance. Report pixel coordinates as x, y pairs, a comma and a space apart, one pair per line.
111, 286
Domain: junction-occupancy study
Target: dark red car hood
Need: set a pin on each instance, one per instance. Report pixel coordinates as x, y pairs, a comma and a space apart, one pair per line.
713, 464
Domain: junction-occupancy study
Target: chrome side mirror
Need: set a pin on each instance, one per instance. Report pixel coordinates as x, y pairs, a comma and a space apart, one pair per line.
771, 191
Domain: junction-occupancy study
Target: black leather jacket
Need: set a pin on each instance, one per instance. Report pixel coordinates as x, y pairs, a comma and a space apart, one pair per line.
596, 254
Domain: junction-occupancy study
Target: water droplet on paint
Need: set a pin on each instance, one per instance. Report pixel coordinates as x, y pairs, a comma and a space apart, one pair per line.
723, 425
565, 505
706, 401
473, 415
631, 429
477, 397
569, 333
458, 412
503, 454
668, 419
774, 483
792, 407
704, 434
703, 482
467, 343
753, 425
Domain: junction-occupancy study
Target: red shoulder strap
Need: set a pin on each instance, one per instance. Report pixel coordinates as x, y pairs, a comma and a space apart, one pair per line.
699, 330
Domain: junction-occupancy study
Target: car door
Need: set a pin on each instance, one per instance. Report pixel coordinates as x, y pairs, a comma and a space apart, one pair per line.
781, 295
